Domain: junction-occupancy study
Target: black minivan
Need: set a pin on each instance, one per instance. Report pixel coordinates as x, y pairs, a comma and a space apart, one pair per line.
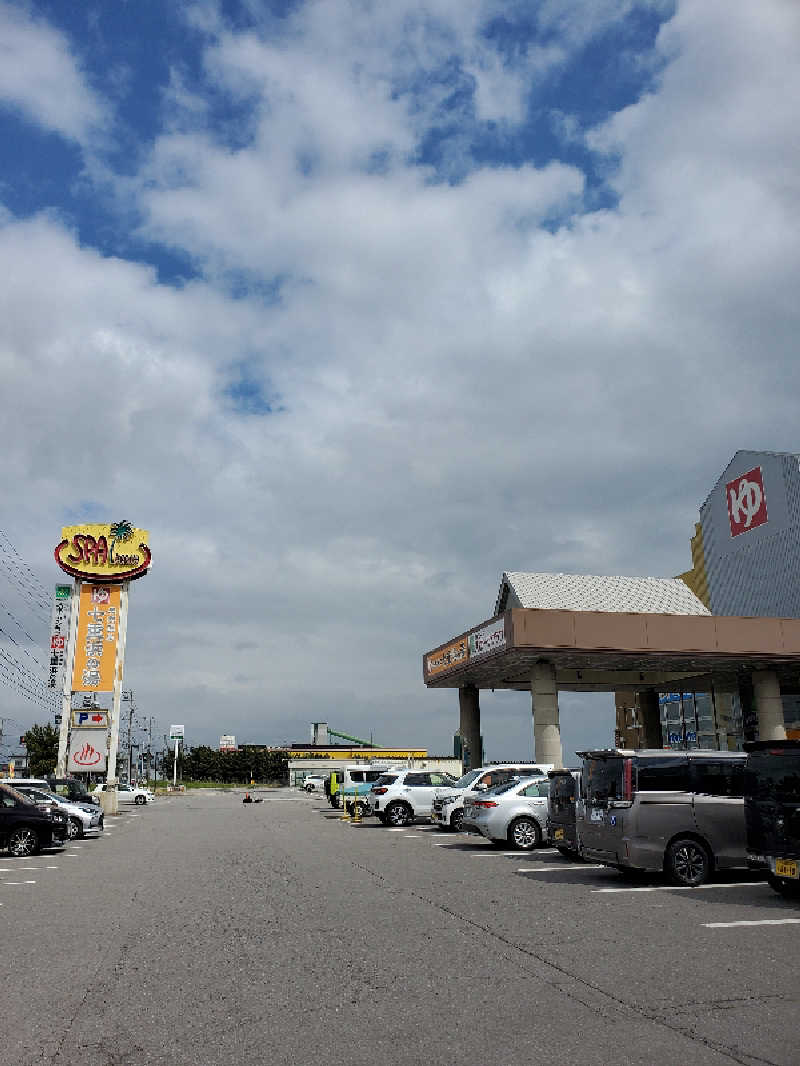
24, 827
772, 811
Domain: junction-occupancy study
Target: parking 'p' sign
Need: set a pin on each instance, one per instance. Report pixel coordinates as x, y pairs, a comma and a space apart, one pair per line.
747, 502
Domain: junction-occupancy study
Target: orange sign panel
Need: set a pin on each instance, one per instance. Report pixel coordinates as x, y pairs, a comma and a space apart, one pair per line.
451, 655
96, 644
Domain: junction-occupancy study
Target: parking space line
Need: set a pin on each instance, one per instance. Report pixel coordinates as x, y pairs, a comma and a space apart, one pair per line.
685, 888
554, 869
761, 921
17, 882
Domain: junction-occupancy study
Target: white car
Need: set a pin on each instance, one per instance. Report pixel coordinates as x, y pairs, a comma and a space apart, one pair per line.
514, 814
447, 811
400, 796
129, 794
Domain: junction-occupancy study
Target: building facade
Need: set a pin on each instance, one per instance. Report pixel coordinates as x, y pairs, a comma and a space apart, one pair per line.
745, 562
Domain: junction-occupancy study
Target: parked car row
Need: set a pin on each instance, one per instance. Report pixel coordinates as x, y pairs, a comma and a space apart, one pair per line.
687, 814
38, 813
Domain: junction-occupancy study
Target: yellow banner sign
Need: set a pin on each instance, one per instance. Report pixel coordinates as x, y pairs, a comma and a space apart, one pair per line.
103, 553
453, 654
375, 755
96, 645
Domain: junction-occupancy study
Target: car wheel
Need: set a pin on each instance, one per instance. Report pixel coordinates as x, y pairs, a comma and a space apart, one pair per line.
399, 814
23, 842
358, 809
789, 889
687, 863
74, 829
456, 821
524, 834
140, 800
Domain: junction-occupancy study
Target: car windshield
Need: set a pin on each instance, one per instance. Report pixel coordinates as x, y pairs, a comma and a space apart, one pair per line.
466, 780
21, 796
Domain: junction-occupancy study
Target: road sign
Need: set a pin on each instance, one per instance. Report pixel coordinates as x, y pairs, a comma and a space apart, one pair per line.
176, 732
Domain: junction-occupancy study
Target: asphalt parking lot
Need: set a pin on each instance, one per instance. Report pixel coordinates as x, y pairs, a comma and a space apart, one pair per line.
200, 930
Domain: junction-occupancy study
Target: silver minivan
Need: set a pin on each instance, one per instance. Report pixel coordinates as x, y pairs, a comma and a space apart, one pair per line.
677, 811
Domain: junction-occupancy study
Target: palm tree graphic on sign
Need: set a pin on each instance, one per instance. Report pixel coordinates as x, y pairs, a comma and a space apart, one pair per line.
121, 531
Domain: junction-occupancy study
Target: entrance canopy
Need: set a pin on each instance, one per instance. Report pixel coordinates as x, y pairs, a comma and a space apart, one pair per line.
605, 634
595, 651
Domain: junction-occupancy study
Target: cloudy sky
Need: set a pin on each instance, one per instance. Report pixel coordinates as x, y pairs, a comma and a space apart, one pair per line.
355, 305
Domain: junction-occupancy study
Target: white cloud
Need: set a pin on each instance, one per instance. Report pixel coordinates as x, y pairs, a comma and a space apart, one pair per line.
42, 79
465, 390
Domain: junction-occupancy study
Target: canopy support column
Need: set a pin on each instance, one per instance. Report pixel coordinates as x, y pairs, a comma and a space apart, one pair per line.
769, 707
469, 725
650, 714
546, 725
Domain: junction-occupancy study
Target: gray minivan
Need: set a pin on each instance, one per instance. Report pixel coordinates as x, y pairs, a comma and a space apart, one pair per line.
677, 811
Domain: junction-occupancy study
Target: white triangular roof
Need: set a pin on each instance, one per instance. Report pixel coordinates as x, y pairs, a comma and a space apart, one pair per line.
586, 592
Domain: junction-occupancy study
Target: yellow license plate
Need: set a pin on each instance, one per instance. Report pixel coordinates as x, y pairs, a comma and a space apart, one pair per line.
559, 834
784, 868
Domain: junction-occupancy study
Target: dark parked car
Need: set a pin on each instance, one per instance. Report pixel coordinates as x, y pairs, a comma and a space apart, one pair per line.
565, 790
772, 812
24, 827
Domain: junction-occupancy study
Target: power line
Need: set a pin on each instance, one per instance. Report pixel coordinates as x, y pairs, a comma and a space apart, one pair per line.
23, 565
25, 590
15, 664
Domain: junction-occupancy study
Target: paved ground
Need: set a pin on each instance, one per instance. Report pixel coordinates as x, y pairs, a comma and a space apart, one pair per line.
201, 931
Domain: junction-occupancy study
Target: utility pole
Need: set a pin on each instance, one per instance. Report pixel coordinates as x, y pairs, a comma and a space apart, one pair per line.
131, 709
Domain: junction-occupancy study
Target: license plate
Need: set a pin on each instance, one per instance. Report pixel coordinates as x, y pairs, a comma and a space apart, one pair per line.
784, 868
559, 834
596, 815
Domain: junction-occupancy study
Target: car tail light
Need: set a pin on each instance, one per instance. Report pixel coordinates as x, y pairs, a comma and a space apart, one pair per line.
627, 779
484, 803
379, 791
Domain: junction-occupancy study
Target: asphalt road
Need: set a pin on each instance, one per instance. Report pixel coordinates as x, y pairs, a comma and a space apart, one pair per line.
201, 931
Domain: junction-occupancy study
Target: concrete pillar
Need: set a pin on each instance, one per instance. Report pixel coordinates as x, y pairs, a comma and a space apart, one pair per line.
544, 705
469, 722
767, 693
650, 718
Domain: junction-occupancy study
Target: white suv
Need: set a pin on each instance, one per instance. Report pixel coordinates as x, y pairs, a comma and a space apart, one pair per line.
400, 796
447, 810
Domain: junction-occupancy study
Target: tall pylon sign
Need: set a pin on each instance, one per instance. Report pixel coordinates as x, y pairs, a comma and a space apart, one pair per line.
88, 645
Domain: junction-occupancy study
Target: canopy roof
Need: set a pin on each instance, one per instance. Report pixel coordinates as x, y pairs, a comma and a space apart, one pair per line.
604, 651
586, 592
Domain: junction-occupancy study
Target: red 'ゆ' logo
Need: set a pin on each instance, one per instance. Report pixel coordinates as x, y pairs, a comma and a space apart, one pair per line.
747, 502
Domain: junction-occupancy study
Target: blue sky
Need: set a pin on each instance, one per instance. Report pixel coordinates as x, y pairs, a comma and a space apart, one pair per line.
356, 305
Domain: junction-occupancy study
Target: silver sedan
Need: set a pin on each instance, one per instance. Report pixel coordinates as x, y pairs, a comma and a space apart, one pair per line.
514, 813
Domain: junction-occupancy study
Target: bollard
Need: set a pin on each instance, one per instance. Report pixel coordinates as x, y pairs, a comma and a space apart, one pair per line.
356, 818
344, 816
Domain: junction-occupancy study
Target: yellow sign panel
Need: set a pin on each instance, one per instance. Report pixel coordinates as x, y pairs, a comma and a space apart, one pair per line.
96, 642
360, 753
453, 654
114, 552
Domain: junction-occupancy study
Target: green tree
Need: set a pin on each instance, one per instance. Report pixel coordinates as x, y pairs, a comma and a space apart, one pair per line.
41, 743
